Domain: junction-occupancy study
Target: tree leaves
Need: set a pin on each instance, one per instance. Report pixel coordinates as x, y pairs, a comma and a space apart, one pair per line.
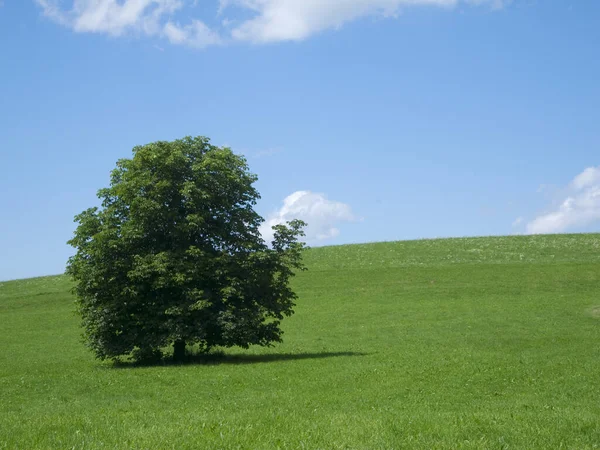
174, 254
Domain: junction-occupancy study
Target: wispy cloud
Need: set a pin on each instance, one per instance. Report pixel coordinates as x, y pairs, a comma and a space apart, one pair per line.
268, 21
579, 207
321, 214
196, 34
293, 20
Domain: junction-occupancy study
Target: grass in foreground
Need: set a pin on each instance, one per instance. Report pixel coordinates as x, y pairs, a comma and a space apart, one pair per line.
459, 343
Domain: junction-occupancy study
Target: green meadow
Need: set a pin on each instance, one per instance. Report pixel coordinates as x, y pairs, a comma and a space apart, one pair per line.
450, 343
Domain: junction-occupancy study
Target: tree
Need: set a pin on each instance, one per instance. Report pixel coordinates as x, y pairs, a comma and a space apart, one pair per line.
174, 256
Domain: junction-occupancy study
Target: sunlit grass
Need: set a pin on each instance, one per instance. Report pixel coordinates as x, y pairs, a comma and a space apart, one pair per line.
457, 343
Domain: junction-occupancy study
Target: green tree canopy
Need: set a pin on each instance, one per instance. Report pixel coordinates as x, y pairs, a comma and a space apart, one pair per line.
174, 256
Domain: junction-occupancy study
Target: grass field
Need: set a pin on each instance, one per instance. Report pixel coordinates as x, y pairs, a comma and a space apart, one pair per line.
455, 343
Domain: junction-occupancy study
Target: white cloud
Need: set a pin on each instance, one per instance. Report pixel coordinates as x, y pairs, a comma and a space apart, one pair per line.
321, 215
589, 177
289, 20
197, 34
269, 21
143, 17
580, 207
111, 16
518, 221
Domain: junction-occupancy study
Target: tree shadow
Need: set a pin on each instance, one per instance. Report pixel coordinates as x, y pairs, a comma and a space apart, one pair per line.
242, 358
219, 358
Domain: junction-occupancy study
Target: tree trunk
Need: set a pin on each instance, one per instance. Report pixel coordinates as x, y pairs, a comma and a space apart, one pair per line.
179, 350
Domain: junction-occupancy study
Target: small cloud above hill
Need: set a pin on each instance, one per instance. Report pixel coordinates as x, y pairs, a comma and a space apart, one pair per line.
322, 215
578, 207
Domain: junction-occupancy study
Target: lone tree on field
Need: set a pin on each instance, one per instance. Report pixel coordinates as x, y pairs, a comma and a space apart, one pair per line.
174, 256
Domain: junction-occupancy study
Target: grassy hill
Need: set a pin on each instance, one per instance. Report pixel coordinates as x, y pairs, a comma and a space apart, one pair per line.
453, 343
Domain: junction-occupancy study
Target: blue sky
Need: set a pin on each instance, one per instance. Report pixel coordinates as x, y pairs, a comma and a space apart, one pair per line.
373, 119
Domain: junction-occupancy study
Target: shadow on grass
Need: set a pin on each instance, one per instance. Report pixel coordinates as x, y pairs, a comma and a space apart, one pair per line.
218, 358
